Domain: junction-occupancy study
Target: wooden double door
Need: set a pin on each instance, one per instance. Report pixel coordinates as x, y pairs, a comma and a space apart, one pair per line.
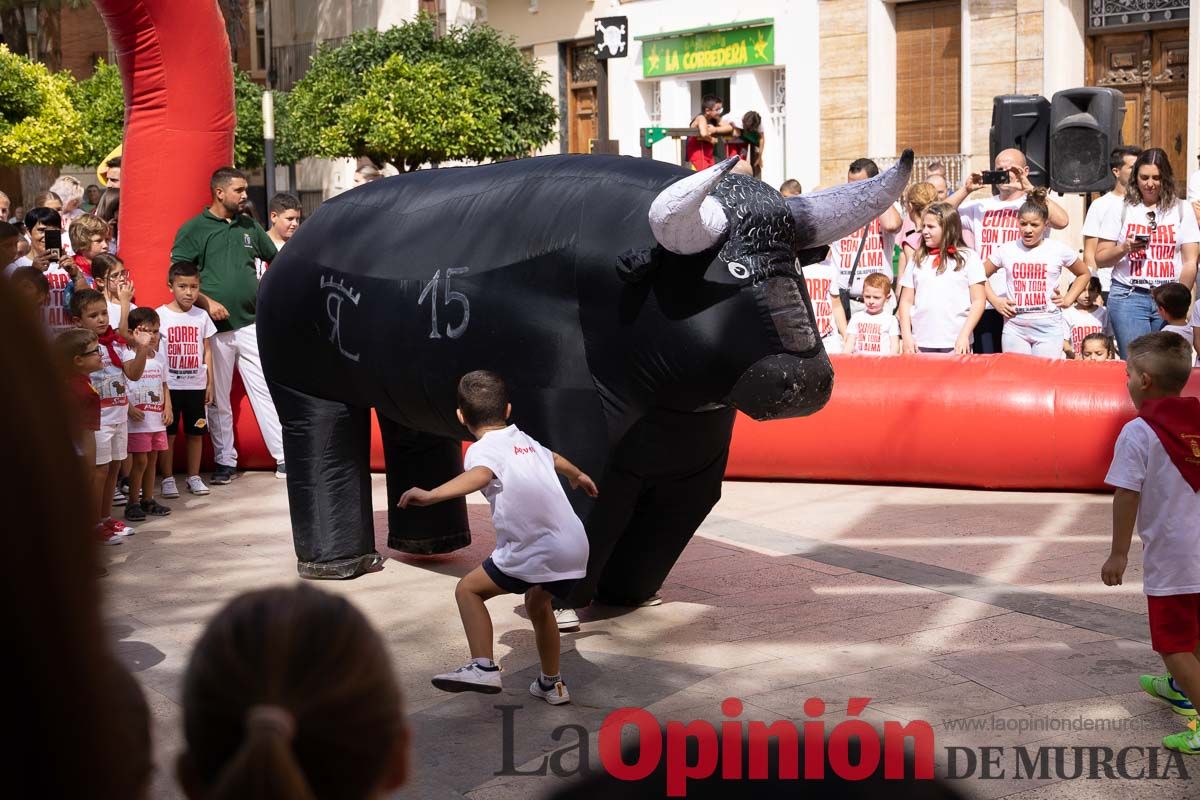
1151, 68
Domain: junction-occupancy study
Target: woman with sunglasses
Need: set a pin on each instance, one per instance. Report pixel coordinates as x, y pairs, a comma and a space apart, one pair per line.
1151, 239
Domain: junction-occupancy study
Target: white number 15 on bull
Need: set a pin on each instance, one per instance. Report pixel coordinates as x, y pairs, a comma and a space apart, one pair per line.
431, 291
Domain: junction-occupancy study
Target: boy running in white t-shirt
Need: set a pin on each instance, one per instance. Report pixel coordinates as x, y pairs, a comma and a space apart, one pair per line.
1033, 322
873, 330
1157, 480
541, 548
1084, 318
187, 333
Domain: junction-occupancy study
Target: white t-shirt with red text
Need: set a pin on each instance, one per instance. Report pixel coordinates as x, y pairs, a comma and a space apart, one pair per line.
114, 313
876, 255
147, 394
821, 280
1081, 324
1168, 517
989, 224
113, 387
539, 538
182, 346
1093, 227
941, 303
1031, 274
873, 333
1162, 260
55, 314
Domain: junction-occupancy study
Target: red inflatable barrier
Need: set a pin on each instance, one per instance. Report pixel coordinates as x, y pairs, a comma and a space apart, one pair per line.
179, 120
993, 422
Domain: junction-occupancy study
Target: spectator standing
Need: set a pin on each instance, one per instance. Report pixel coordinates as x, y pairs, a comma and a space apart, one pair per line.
992, 222
111, 173
1098, 347
1121, 161
40, 222
1153, 238
283, 214
1084, 318
89, 238
108, 209
91, 196
223, 244
938, 182
71, 192
1193, 194
821, 281
790, 188
874, 330
149, 415
941, 294
1032, 264
867, 250
5, 208
917, 197
366, 174
746, 126
1174, 301
698, 149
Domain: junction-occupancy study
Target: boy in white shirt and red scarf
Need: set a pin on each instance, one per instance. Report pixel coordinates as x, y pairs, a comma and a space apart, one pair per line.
1156, 472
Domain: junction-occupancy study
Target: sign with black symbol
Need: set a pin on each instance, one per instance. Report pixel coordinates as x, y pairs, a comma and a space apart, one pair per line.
612, 37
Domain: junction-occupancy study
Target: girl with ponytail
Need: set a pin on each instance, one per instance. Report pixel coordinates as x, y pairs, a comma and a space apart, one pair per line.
290, 694
1032, 264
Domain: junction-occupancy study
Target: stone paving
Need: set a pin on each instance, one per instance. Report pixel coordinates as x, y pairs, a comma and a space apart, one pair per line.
979, 612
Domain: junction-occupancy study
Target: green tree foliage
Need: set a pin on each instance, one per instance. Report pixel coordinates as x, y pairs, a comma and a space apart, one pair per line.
100, 101
38, 123
407, 96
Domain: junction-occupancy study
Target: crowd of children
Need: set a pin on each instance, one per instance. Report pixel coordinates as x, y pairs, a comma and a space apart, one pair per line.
137, 374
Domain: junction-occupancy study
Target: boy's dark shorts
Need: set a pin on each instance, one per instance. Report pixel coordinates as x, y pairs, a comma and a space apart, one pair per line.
188, 405
559, 589
1174, 623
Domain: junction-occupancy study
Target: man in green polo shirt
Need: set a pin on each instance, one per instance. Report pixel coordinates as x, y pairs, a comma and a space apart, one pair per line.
223, 243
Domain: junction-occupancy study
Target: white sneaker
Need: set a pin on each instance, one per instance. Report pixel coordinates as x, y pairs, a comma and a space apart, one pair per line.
651, 601
119, 498
567, 619
470, 678
555, 696
169, 489
196, 485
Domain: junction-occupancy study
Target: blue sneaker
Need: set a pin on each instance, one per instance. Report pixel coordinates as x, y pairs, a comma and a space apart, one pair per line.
1163, 687
223, 475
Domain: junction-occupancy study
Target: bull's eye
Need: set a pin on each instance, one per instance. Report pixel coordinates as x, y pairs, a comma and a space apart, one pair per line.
738, 271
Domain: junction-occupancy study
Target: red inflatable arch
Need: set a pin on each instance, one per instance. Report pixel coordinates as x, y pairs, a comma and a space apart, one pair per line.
1004, 422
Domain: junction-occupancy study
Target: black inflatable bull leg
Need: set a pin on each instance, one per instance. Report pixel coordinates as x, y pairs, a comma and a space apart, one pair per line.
665, 478
421, 459
327, 448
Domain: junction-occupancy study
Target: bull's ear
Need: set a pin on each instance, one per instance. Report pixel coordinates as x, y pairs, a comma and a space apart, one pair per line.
685, 220
812, 255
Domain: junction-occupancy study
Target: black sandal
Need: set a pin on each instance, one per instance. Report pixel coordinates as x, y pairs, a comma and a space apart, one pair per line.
155, 508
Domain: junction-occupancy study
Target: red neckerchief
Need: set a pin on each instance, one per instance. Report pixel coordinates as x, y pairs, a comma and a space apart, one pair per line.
1176, 420
84, 263
109, 339
936, 252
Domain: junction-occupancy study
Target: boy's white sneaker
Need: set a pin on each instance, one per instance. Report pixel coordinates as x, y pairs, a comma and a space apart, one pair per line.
470, 678
196, 485
567, 619
555, 696
169, 489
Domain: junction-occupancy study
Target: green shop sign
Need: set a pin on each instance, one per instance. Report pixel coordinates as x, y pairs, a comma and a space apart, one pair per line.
701, 51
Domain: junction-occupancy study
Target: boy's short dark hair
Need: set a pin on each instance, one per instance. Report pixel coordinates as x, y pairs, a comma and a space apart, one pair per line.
8, 230
878, 280
73, 342
1174, 297
790, 185
182, 269
482, 398
102, 264
47, 216
283, 201
1094, 285
1116, 159
84, 298
142, 315
863, 165
34, 277
222, 178
1164, 356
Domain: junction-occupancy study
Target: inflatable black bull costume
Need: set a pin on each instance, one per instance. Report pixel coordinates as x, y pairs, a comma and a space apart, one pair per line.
630, 305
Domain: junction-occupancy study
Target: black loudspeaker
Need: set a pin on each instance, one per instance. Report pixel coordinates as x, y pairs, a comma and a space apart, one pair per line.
1085, 126
1023, 121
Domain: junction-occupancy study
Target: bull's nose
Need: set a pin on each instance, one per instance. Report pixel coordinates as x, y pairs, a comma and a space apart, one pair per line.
784, 385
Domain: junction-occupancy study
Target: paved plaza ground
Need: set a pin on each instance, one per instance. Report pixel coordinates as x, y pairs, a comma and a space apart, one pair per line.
940, 605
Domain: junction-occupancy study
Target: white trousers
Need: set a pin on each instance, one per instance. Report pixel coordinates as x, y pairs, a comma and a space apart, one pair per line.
240, 348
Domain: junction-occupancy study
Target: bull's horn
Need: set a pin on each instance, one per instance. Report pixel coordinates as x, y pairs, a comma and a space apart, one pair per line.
684, 218
828, 215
